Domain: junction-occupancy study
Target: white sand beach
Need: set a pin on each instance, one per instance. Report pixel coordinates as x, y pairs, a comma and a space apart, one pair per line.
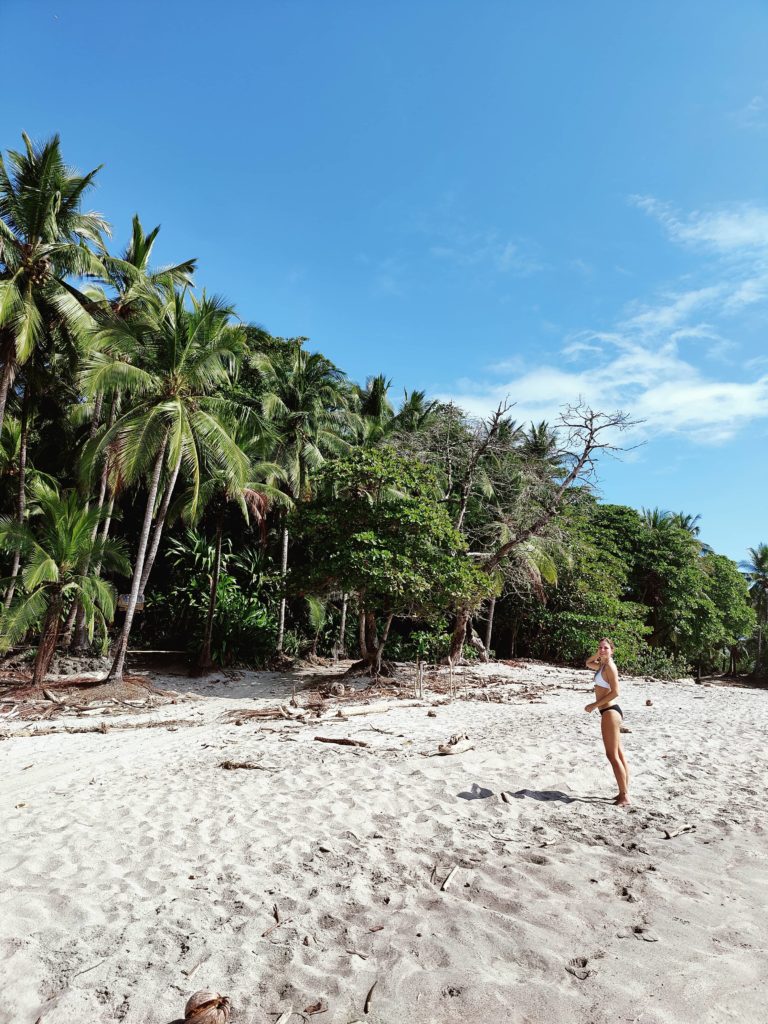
135, 870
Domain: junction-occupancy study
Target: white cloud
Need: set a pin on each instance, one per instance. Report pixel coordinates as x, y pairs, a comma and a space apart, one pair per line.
486, 248
753, 114
651, 363
733, 229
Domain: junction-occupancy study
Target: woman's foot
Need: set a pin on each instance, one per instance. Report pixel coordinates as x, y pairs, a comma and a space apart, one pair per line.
622, 800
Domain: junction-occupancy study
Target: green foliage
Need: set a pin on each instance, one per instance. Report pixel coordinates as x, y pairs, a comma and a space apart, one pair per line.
244, 627
58, 550
656, 662
374, 528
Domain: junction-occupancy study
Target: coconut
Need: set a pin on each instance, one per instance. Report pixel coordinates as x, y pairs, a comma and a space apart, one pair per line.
207, 1008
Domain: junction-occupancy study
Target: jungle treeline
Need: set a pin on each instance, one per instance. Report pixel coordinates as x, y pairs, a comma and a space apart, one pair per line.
171, 477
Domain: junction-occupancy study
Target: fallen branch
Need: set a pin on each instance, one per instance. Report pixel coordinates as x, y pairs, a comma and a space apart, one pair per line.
232, 765
678, 832
284, 1017
365, 709
341, 740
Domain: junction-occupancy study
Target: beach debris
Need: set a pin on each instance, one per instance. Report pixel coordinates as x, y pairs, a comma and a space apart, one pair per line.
233, 765
365, 709
578, 968
285, 1016
367, 1003
506, 797
458, 744
641, 932
318, 1007
624, 728
678, 832
206, 1007
198, 965
343, 740
649, 703
431, 714
355, 952
449, 877
278, 921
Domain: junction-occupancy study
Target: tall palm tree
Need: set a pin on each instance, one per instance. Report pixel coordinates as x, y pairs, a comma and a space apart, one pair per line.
44, 243
755, 568
182, 360
308, 400
57, 545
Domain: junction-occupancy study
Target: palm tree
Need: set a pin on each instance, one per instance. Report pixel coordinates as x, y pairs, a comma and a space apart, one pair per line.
130, 276
309, 402
755, 568
57, 545
44, 241
415, 413
182, 359
374, 408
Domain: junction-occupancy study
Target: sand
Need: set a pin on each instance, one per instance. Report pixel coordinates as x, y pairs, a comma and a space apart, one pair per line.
135, 870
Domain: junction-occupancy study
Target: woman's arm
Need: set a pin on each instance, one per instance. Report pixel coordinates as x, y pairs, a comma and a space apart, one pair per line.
593, 661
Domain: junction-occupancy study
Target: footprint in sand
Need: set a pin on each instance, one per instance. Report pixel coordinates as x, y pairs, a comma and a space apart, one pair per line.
578, 968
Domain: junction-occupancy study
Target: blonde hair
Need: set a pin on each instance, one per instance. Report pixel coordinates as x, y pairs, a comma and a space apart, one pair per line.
611, 644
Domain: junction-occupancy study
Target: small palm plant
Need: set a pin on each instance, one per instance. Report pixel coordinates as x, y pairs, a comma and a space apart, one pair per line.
57, 545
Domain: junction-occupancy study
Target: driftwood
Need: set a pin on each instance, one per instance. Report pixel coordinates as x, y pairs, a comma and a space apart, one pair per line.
341, 740
679, 831
456, 745
232, 765
364, 709
285, 1017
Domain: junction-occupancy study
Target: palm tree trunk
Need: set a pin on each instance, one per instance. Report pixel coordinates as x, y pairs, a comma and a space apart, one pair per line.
116, 672
759, 659
204, 661
283, 574
162, 512
6, 378
489, 625
76, 616
21, 500
361, 633
343, 626
47, 647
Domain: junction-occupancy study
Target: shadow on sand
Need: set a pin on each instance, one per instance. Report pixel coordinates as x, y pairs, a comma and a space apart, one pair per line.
556, 796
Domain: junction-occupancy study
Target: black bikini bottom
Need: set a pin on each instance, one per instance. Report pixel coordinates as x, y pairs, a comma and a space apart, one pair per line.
613, 707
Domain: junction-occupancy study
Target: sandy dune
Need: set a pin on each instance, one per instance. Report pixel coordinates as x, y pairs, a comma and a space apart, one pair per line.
135, 870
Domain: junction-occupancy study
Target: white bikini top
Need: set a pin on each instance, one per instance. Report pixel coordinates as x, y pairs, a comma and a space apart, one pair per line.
600, 679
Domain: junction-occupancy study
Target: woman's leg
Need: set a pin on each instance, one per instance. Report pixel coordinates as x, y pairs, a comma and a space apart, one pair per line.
623, 759
610, 724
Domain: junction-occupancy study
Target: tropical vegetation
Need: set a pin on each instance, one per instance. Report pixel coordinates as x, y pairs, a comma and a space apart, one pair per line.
251, 503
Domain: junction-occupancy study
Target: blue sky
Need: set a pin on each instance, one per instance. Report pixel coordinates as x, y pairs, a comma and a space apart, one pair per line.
541, 200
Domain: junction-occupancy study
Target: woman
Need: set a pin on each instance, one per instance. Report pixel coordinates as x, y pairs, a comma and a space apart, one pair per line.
611, 716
